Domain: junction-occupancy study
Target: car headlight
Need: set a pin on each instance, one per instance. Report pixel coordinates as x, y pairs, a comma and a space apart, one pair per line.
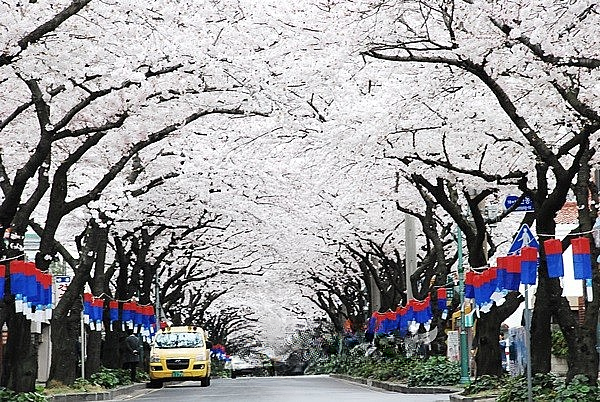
154, 359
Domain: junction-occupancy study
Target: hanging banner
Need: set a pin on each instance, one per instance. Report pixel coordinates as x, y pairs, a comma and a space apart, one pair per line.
582, 260
554, 261
2, 280
528, 265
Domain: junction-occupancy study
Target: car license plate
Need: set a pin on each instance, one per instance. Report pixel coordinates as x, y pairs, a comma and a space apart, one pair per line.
177, 373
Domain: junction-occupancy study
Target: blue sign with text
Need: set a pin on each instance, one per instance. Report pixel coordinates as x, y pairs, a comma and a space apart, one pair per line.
525, 205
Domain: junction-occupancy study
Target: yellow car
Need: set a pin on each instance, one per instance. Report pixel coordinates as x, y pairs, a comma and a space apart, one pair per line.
180, 354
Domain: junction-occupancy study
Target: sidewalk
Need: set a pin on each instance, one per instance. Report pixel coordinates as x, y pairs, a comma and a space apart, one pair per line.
124, 392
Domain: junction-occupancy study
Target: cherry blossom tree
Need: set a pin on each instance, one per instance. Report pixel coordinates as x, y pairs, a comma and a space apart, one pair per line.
78, 105
486, 98
536, 65
341, 294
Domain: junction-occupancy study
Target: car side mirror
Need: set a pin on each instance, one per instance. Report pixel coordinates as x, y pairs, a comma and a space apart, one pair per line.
209, 345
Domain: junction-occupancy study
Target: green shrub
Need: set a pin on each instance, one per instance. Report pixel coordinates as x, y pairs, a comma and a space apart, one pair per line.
483, 384
390, 366
391, 369
217, 368
387, 346
111, 378
543, 388
81, 384
559, 344
436, 370
334, 364
578, 390
142, 376
440, 371
8, 395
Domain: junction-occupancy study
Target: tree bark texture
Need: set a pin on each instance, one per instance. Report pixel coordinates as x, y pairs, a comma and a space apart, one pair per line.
93, 347
21, 359
21, 354
111, 354
487, 336
549, 303
65, 349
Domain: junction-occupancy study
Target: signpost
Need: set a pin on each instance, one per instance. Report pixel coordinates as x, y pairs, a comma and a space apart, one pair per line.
526, 239
464, 344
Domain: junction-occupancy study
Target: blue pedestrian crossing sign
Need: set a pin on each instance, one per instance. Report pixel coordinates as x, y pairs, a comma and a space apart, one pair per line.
522, 239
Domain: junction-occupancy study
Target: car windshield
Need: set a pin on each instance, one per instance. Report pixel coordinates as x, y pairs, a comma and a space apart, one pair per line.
169, 340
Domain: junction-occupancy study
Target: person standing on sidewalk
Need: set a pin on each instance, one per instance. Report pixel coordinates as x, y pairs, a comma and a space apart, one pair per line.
131, 354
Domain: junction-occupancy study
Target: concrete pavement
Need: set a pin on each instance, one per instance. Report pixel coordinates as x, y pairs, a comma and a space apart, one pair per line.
121, 393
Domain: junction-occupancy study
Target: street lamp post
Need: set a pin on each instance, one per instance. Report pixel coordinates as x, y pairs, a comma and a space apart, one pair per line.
464, 346
157, 308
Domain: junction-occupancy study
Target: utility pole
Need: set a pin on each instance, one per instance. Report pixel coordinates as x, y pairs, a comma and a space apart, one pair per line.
82, 344
157, 308
375, 293
410, 241
464, 344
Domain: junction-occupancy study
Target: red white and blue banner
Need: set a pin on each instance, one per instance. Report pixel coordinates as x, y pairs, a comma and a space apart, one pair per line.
31, 288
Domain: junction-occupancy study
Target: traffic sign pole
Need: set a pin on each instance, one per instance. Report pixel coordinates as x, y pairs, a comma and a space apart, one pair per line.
526, 239
528, 344
464, 344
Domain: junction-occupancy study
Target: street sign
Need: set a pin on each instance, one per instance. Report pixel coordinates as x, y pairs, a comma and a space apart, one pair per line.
61, 283
522, 239
525, 205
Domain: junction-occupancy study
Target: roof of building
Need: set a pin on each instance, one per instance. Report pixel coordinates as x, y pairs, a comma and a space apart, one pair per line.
568, 214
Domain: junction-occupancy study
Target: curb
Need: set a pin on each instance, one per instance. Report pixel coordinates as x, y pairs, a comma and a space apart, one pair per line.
471, 399
97, 396
395, 387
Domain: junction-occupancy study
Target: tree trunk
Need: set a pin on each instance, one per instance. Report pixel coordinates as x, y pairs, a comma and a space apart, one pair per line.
583, 357
580, 337
66, 317
3, 319
439, 346
94, 345
111, 356
65, 349
93, 361
22, 354
546, 301
21, 359
487, 336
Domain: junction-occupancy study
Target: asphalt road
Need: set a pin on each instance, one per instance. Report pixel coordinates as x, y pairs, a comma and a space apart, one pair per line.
279, 389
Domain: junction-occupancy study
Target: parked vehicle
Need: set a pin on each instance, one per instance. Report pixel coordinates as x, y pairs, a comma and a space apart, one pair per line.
180, 354
243, 366
294, 363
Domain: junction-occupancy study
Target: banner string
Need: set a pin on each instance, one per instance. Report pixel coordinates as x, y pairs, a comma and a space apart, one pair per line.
109, 297
13, 258
568, 234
